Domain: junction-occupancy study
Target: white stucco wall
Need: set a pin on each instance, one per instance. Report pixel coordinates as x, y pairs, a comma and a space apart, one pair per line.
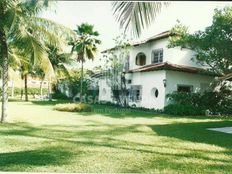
175, 78
173, 55
104, 90
154, 79
149, 80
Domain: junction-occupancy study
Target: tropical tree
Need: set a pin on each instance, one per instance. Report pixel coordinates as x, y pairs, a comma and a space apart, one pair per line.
85, 46
136, 16
59, 61
212, 46
116, 64
38, 72
21, 28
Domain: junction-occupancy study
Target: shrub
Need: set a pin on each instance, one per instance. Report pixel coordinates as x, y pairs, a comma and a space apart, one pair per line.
73, 107
183, 109
217, 102
59, 95
30, 91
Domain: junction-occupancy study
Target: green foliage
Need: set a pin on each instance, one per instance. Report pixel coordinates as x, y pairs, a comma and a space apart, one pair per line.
115, 64
73, 107
136, 16
213, 45
30, 91
217, 102
86, 44
59, 60
182, 110
59, 95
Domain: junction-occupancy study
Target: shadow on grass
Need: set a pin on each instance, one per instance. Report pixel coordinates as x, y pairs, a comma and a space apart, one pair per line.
72, 137
53, 102
118, 112
39, 157
197, 132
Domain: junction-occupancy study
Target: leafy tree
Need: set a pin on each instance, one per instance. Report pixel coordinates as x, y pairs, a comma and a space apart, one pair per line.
21, 29
135, 16
213, 46
115, 68
85, 46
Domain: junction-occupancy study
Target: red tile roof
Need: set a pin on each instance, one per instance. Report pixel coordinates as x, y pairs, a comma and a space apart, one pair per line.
162, 35
170, 66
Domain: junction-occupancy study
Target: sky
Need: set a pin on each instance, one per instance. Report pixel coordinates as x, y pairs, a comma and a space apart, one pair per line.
196, 15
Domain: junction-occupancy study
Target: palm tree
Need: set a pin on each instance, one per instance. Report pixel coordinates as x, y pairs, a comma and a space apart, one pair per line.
59, 61
135, 16
85, 46
38, 72
21, 28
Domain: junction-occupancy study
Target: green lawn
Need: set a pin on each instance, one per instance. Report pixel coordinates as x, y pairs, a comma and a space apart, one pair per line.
37, 138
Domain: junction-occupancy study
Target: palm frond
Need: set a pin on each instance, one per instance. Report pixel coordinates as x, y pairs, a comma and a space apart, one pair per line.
16, 59
52, 26
136, 16
62, 71
49, 37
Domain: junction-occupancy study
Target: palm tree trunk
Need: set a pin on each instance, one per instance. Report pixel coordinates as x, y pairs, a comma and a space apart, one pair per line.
41, 89
4, 56
49, 91
12, 89
81, 81
22, 77
25, 85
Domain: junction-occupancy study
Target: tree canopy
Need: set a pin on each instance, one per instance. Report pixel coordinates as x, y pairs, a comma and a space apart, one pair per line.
213, 46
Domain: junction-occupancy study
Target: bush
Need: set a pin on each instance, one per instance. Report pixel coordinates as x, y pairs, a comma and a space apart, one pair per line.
59, 95
73, 107
185, 98
217, 102
183, 109
30, 91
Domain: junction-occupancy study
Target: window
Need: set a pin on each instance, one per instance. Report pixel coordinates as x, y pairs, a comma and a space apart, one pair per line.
127, 65
157, 56
184, 88
154, 92
135, 93
140, 59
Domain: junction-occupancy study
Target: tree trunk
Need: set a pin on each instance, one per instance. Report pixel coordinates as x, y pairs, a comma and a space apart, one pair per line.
49, 91
4, 63
81, 81
12, 89
41, 89
22, 86
25, 86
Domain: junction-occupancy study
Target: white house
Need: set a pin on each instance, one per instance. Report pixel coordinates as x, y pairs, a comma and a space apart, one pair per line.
154, 70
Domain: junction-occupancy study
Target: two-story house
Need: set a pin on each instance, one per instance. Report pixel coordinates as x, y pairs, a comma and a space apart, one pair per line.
155, 70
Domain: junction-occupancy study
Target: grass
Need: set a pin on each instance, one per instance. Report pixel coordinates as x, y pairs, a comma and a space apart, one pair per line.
37, 138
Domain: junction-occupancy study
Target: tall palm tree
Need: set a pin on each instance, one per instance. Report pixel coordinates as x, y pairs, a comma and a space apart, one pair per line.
59, 61
21, 28
85, 46
135, 16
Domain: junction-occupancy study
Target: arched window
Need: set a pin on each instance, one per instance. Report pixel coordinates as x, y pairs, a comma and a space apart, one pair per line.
140, 59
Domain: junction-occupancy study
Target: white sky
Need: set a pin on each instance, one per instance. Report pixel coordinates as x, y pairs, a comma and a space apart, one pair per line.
196, 15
